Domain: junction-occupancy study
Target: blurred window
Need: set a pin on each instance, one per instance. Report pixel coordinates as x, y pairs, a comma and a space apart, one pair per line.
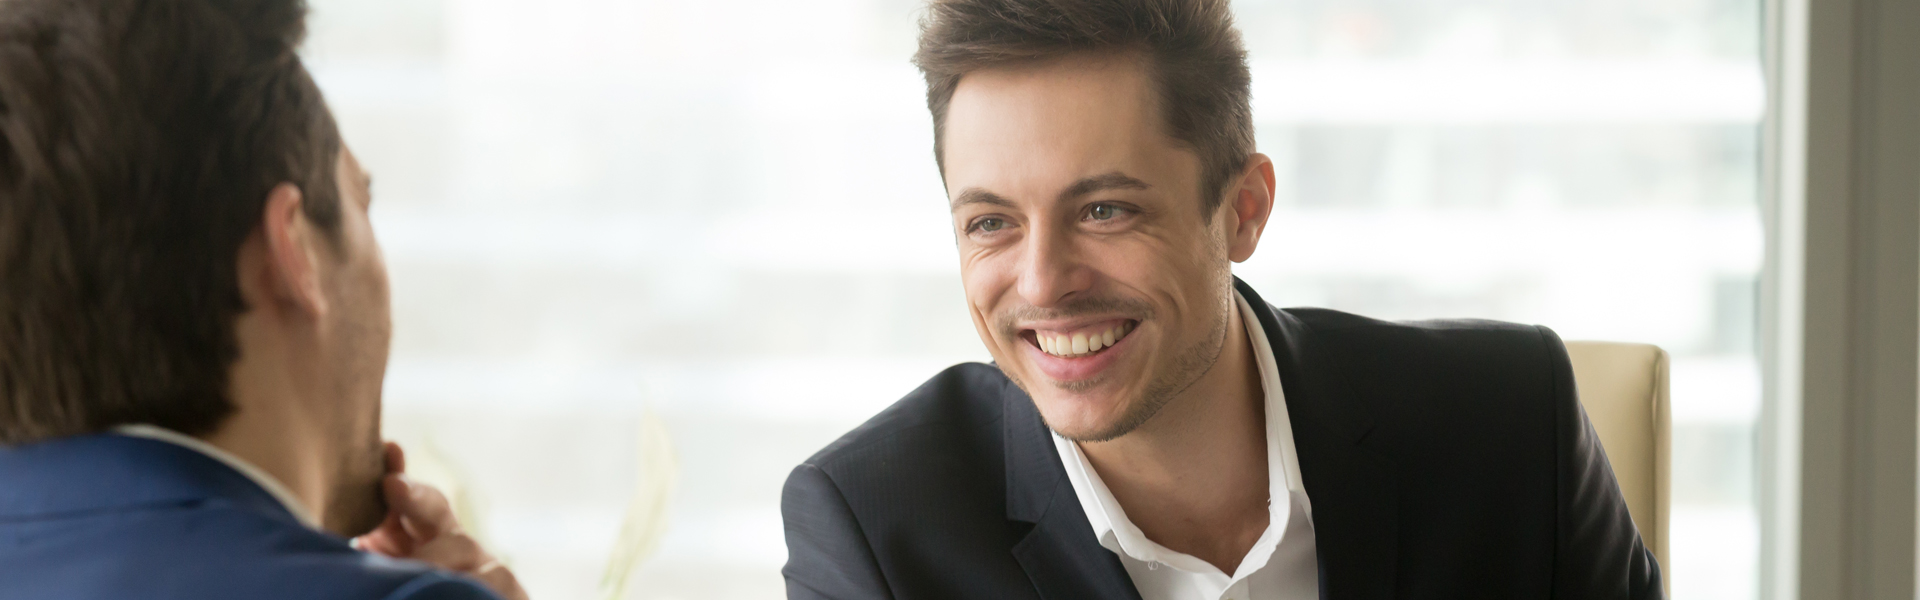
726, 213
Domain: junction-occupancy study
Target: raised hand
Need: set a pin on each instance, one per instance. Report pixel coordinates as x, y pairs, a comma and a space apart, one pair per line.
420, 525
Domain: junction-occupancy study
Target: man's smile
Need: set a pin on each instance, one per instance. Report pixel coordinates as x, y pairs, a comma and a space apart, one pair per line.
1080, 341
1075, 353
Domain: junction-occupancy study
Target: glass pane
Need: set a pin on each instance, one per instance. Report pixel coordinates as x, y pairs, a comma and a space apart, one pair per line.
726, 214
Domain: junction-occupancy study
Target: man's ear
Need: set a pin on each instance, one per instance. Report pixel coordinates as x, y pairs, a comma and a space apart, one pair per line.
1251, 205
284, 269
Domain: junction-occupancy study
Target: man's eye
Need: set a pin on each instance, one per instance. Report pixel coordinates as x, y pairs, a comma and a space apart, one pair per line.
1102, 212
989, 224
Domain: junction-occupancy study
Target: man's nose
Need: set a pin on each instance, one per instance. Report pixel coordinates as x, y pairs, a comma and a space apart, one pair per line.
1053, 270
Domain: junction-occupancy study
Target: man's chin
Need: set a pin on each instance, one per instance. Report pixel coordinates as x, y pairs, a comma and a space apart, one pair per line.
1095, 409
357, 511
1084, 417
359, 503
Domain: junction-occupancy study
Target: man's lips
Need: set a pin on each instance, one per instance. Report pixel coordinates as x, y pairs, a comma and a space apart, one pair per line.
1077, 351
1081, 340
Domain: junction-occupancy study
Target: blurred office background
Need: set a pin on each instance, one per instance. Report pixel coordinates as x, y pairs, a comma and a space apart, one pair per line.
726, 214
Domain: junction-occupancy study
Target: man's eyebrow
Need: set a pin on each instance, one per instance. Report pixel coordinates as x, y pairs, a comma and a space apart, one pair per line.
1098, 183
979, 196
1110, 181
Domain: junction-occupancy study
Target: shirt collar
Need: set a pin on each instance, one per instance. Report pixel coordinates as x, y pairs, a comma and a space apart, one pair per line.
1118, 534
259, 477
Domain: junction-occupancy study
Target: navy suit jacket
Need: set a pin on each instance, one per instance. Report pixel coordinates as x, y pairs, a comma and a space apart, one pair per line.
109, 517
1443, 459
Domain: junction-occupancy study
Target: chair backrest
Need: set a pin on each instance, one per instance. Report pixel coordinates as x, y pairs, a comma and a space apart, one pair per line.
1624, 389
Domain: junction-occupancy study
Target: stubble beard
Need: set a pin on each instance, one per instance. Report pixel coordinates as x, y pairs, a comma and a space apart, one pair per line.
356, 503
1190, 364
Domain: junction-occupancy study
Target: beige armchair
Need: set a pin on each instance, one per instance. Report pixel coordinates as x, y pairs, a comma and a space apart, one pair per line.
1624, 389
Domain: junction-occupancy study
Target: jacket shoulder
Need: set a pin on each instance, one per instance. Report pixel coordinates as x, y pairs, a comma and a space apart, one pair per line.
914, 502
1403, 344
967, 397
930, 469
440, 586
1442, 369
1327, 320
205, 550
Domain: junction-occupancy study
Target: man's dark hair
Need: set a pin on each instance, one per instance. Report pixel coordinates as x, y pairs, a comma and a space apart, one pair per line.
138, 142
1193, 53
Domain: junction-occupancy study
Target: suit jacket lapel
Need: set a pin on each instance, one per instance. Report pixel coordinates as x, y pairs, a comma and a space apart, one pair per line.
1060, 554
1349, 482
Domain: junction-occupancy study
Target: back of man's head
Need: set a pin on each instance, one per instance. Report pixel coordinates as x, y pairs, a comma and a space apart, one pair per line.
138, 142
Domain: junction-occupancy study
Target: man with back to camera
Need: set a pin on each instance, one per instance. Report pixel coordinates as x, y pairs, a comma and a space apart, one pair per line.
1154, 429
194, 322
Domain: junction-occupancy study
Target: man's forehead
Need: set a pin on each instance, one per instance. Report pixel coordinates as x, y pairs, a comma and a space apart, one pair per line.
350, 168
1034, 131
1058, 93
348, 161
1092, 68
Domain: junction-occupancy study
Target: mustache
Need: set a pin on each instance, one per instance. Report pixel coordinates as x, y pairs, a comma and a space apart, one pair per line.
1007, 321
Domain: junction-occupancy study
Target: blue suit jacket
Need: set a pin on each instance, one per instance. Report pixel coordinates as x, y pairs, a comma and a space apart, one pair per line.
104, 517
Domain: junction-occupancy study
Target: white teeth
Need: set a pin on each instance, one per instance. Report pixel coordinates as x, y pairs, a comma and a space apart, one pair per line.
1081, 344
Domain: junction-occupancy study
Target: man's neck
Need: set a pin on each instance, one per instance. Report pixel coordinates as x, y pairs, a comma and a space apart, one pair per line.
1194, 477
266, 432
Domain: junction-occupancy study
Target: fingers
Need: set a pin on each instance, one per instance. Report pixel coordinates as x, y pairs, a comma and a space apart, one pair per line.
454, 552
420, 525
381, 542
417, 517
501, 580
396, 459
425, 513
417, 514
390, 537
460, 553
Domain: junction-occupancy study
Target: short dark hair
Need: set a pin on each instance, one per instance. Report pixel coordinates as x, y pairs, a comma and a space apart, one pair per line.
1194, 54
138, 142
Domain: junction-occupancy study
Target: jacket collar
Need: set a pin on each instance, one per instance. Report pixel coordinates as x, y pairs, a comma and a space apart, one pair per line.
1060, 554
1034, 470
1306, 368
265, 480
110, 471
1350, 484
1355, 519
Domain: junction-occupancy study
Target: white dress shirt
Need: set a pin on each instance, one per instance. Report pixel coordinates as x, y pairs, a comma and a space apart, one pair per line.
1280, 566
259, 477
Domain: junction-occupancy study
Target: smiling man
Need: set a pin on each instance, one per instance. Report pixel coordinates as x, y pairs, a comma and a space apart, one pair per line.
1151, 428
